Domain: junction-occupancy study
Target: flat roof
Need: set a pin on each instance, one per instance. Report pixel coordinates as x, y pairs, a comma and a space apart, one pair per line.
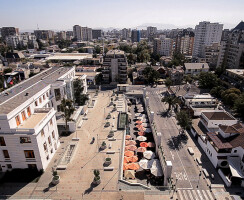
15, 96
69, 56
32, 121
196, 66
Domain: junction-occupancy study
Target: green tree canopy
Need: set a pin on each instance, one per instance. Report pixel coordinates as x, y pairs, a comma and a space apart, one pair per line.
184, 120
68, 109
80, 98
217, 91
7, 70
97, 49
229, 96
207, 80
170, 100
151, 75
168, 82
99, 79
239, 105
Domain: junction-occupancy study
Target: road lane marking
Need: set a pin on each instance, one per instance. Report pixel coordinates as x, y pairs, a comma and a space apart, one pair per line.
173, 157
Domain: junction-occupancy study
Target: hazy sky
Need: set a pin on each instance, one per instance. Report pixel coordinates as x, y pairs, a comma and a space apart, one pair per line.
63, 14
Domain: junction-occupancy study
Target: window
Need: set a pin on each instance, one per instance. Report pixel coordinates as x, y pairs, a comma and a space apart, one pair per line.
9, 166
47, 94
5, 154
48, 157
44, 97
49, 140
235, 151
17, 120
25, 140
57, 94
36, 103
2, 141
53, 135
58, 108
23, 115
28, 111
29, 154
51, 150
51, 122
42, 133
45, 146
40, 100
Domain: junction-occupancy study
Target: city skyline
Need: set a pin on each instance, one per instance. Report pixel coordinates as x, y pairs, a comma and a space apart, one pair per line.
52, 15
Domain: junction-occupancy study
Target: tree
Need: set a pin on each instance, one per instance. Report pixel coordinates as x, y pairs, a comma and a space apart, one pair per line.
188, 78
229, 96
40, 44
99, 79
64, 43
217, 91
80, 98
7, 70
151, 75
131, 58
239, 105
81, 50
184, 120
170, 100
68, 109
97, 49
207, 80
168, 82
143, 56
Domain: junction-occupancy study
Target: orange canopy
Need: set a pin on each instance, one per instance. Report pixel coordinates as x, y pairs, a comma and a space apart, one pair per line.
133, 166
143, 144
130, 142
133, 159
141, 149
141, 133
127, 137
138, 122
139, 126
142, 129
126, 159
132, 147
129, 153
125, 167
151, 144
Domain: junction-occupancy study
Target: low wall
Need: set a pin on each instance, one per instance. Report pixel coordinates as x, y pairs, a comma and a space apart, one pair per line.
226, 180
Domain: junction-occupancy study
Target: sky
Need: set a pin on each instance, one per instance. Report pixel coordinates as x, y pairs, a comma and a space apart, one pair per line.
63, 14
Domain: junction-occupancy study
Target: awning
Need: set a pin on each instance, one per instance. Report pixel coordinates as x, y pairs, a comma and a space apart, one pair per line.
235, 167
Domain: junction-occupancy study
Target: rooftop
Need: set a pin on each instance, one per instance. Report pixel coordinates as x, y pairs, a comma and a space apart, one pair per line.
115, 52
69, 56
15, 96
220, 115
196, 66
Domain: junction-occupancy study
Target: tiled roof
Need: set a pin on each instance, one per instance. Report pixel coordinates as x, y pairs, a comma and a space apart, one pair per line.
218, 115
219, 142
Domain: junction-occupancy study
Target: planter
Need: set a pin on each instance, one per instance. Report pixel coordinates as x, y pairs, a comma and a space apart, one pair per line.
108, 161
103, 147
111, 134
55, 180
96, 180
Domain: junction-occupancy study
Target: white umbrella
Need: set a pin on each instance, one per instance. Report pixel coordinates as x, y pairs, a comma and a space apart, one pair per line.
148, 130
141, 138
146, 125
154, 162
141, 110
156, 168
144, 120
149, 155
144, 164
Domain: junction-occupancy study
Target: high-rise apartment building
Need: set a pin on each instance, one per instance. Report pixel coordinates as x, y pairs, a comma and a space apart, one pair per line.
115, 67
29, 135
232, 49
151, 32
44, 34
9, 31
23, 40
77, 32
126, 33
96, 34
135, 36
163, 46
184, 42
206, 34
86, 34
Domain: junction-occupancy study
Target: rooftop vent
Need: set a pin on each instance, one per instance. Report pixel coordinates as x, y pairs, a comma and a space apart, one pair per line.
27, 93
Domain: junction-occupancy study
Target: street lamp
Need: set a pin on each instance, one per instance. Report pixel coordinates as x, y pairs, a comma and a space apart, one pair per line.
199, 178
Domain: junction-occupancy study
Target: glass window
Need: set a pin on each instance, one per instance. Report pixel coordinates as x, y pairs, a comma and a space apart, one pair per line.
17, 120
29, 154
25, 140
5, 154
44, 97
51, 122
2, 141
53, 135
45, 146
36, 103
23, 115
42, 132
49, 140
47, 94
40, 100
28, 111
57, 94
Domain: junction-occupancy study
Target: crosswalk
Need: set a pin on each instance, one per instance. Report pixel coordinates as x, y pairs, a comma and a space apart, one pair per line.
195, 195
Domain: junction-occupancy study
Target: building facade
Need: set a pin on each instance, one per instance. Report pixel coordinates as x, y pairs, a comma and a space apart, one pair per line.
96, 34
115, 67
206, 33
29, 135
9, 31
184, 42
135, 36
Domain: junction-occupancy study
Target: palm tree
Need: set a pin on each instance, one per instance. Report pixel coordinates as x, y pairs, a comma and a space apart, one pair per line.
68, 109
184, 120
171, 100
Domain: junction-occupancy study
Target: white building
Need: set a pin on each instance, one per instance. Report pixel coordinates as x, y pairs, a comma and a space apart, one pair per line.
77, 32
206, 34
28, 127
196, 68
163, 46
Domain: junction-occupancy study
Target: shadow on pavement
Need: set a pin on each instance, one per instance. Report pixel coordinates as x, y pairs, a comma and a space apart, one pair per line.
176, 142
89, 190
48, 188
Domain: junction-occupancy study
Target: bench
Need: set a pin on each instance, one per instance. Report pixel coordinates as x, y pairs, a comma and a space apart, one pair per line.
110, 145
110, 152
199, 161
108, 168
205, 173
190, 150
